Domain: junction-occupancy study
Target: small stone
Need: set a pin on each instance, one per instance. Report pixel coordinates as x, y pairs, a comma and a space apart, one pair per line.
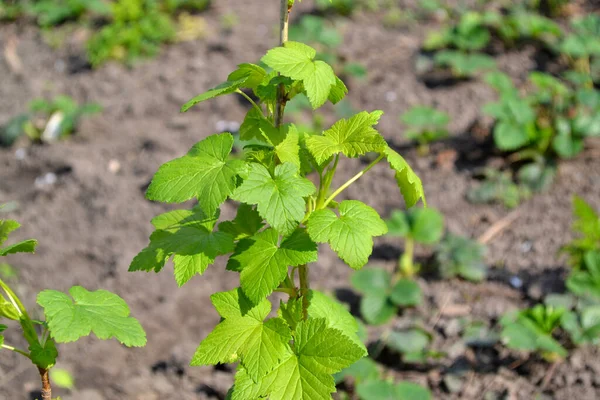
42, 182
516, 282
21, 154
452, 328
453, 383
390, 96
114, 166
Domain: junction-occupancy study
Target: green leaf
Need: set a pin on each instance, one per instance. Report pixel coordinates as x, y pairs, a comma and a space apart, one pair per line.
305, 374
510, 136
246, 223
256, 126
264, 264
45, 357
224, 88
204, 173
336, 315
352, 137
6, 227
187, 236
398, 224
251, 74
280, 198
296, 60
406, 292
62, 378
371, 281
385, 390
243, 336
103, 313
338, 91
411, 391
409, 183
351, 234
289, 149
427, 225
8, 310
363, 370
409, 341
377, 309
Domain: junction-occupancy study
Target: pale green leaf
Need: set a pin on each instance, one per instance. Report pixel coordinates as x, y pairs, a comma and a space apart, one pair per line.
289, 149
264, 263
8, 226
352, 137
187, 236
280, 198
204, 173
101, 312
351, 234
223, 88
246, 223
409, 183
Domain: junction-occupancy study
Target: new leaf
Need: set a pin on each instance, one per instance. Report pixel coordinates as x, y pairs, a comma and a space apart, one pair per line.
6, 227
264, 264
351, 234
243, 335
352, 137
189, 236
280, 198
409, 183
296, 60
203, 173
101, 312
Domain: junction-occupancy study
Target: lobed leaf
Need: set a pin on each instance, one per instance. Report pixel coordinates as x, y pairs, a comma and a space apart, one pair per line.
352, 137
204, 173
280, 197
351, 234
101, 312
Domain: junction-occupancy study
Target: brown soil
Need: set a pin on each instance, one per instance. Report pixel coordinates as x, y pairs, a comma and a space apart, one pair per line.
92, 222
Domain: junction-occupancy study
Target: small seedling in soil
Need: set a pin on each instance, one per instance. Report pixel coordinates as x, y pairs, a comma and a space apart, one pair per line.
582, 47
549, 123
586, 227
281, 218
47, 121
382, 295
531, 330
69, 317
425, 125
49, 13
385, 389
419, 225
585, 280
464, 65
499, 187
370, 385
458, 256
138, 28
412, 343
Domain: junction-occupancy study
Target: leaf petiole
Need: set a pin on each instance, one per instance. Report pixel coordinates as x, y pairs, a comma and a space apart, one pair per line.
351, 181
11, 348
251, 101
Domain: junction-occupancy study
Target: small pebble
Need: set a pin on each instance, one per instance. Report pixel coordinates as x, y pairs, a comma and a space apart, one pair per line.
21, 154
390, 96
516, 282
114, 166
46, 180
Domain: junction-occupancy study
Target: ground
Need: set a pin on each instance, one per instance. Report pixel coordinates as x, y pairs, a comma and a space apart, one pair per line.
94, 219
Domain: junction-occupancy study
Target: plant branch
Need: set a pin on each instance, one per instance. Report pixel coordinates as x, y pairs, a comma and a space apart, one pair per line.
352, 180
251, 101
284, 20
46, 388
304, 288
11, 348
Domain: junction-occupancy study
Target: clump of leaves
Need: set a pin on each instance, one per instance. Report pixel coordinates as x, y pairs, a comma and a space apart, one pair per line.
69, 317
587, 228
47, 121
548, 123
418, 225
382, 295
464, 65
282, 217
582, 47
531, 330
137, 30
48, 13
369, 383
499, 187
425, 125
462, 257
326, 39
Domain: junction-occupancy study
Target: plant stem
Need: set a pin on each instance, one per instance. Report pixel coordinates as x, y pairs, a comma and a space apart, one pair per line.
304, 288
284, 20
325, 182
406, 260
21, 352
46, 388
351, 181
251, 101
